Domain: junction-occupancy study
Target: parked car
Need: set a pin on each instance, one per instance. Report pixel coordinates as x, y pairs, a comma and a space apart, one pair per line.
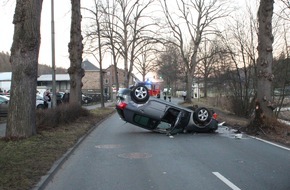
4, 103
137, 107
39, 102
86, 99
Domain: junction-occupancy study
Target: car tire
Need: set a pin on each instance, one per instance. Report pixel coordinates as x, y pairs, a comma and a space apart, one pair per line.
40, 106
202, 115
140, 94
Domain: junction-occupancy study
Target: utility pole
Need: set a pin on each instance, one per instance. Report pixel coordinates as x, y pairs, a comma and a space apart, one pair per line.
53, 55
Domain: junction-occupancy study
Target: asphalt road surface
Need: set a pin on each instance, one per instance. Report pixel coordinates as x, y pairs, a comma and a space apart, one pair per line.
118, 155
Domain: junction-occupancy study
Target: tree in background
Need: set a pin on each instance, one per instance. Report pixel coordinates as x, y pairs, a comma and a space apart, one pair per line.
209, 56
240, 40
5, 65
144, 62
169, 67
24, 62
199, 17
75, 48
132, 31
96, 39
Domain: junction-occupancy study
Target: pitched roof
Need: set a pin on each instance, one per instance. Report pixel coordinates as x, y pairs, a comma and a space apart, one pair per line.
5, 76
88, 66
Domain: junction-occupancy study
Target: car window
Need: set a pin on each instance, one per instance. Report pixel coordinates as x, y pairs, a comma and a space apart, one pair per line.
123, 91
38, 97
141, 120
3, 100
144, 121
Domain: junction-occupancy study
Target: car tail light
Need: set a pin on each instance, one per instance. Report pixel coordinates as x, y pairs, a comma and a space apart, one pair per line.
215, 115
122, 105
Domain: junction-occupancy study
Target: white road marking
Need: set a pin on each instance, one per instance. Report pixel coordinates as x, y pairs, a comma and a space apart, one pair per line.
271, 143
226, 181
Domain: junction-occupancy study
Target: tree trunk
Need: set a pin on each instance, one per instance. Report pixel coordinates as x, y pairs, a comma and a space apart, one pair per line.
21, 120
188, 88
76, 72
265, 57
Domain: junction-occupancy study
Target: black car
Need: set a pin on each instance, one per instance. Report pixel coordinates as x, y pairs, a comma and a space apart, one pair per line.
135, 106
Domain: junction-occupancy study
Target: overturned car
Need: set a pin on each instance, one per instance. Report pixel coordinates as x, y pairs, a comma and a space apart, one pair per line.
137, 107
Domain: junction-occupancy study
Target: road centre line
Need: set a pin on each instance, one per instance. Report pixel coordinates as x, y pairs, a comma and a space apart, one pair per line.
226, 181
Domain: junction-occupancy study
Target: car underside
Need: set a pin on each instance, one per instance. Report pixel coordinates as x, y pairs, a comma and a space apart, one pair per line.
154, 114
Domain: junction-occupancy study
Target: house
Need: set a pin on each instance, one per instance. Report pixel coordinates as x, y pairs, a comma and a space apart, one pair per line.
110, 79
62, 81
91, 80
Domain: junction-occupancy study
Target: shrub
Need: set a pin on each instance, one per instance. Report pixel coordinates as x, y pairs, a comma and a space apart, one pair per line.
62, 114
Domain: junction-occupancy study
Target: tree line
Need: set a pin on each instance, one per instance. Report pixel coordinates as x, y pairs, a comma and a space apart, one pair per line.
5, 66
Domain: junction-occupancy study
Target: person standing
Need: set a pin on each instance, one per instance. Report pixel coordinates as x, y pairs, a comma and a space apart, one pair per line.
58, 98
169, 96
184, 95
47, 98
65, 98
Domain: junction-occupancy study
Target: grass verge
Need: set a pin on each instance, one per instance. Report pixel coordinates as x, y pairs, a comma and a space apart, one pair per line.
23, 162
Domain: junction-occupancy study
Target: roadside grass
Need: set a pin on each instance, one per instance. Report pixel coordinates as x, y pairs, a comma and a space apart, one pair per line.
24, 161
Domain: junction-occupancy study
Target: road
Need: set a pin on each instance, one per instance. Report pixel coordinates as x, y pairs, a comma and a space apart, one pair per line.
118, 155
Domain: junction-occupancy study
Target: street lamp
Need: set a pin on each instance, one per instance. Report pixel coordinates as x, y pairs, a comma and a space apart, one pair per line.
53, 56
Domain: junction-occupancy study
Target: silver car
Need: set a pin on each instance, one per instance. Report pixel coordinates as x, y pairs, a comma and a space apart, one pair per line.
138, 108
4, 103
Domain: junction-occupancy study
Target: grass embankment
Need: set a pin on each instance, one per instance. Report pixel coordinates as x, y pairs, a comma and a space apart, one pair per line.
24, 161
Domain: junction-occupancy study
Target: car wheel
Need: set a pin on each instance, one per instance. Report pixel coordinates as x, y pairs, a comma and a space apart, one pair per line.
40, 106
202, 115
139, 94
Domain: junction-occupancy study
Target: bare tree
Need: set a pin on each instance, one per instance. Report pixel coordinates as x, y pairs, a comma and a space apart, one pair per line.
281, 69
132, 32
75, 47
5, 65
199, 17
144, 62
240, 41
96, 37
169, 66
209, 57
264, 62
111, 26
21, 120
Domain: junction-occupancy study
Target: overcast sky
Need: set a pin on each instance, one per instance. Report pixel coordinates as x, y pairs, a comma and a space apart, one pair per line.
62, 30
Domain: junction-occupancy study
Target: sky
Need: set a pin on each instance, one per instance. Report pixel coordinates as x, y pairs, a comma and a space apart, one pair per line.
62, 17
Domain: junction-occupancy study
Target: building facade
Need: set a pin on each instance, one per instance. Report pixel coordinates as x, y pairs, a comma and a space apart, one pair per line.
91, 80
